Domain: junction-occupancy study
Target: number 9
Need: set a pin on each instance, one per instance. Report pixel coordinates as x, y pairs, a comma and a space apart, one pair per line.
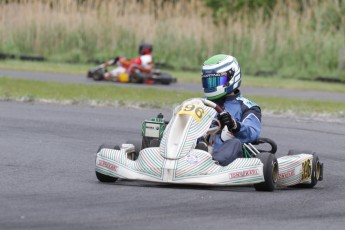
199, 112
188, 108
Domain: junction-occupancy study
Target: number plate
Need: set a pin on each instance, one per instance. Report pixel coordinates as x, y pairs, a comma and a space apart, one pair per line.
196, 111
306, 169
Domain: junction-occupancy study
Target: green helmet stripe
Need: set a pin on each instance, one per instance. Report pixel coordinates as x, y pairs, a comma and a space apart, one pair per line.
215, 59
216, 97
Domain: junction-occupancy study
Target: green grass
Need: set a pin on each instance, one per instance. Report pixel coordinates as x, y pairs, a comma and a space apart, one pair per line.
182, 76
295, 42
301, 106
49, 67
30, 90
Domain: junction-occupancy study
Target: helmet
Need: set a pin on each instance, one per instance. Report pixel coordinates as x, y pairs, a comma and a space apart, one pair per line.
221, 75
145, 48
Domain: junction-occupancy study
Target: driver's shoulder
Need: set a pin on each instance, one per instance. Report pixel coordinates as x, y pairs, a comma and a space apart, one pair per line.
246, 102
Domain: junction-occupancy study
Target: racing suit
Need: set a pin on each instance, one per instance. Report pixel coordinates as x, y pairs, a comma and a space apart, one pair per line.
227, 146
143, 62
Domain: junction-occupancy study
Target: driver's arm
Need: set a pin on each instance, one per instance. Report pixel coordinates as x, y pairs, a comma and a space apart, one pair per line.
250, 125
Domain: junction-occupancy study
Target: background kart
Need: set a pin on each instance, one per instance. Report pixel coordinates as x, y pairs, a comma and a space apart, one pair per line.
149, 77
168, 155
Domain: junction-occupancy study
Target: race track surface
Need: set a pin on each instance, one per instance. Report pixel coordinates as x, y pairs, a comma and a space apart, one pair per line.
48, 180
79, 79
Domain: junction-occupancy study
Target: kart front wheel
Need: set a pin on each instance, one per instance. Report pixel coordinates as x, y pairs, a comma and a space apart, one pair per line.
101, 177
105, 178
98, 75
270, 171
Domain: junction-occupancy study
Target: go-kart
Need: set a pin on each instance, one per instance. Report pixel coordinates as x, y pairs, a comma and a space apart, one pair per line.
154, 76
168, 154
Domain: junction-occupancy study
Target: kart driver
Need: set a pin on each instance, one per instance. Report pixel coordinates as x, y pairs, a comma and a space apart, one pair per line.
241, 119
142, 63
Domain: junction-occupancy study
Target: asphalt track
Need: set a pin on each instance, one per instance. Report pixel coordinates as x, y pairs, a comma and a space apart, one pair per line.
48, 181
80, 79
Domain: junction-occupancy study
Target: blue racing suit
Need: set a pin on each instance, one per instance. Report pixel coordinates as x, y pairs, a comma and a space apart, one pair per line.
247, 115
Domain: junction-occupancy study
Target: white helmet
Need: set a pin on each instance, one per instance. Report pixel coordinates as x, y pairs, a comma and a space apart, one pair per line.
221, 75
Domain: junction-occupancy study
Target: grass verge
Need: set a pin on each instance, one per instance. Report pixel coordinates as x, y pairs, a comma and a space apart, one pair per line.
30, 90
182, 76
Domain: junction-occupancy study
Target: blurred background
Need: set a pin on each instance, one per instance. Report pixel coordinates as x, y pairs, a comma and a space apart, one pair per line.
292, 38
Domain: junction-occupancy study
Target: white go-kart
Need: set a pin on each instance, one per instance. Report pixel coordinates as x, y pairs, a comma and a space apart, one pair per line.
167, 154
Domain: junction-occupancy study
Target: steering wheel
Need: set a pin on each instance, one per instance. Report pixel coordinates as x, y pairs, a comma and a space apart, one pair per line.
217, 127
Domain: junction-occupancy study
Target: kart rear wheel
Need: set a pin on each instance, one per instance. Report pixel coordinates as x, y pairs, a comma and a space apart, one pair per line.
165, 78
137, 77
270, 171
316, 169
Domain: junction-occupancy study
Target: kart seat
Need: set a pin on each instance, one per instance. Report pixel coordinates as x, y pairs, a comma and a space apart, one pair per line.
268, 145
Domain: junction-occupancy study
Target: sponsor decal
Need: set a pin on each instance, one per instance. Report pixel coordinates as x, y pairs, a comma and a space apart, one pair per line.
287, 174
192, 159
107, 165
214, 75
152, 127
244, 173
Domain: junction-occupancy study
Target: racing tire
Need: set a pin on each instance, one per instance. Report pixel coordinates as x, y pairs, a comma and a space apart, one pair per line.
137, 78
105, 178
101, 177
270, 171
316, 169
98, 75
164, 78
89, 74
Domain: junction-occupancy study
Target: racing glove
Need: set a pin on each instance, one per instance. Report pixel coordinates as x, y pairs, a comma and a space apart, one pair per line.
226, 120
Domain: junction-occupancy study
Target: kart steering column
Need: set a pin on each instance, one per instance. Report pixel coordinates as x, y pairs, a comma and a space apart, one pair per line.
213, 105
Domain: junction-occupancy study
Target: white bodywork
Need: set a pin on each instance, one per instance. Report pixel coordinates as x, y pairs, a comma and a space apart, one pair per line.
177, 161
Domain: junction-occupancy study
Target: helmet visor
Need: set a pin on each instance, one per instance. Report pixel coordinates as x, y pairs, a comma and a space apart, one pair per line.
214, 81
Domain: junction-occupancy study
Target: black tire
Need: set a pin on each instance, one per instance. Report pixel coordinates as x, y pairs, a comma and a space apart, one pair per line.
105, 178
270, 171
165, 78
101, 177
89, 74
137, 78
98, 75
315, 169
